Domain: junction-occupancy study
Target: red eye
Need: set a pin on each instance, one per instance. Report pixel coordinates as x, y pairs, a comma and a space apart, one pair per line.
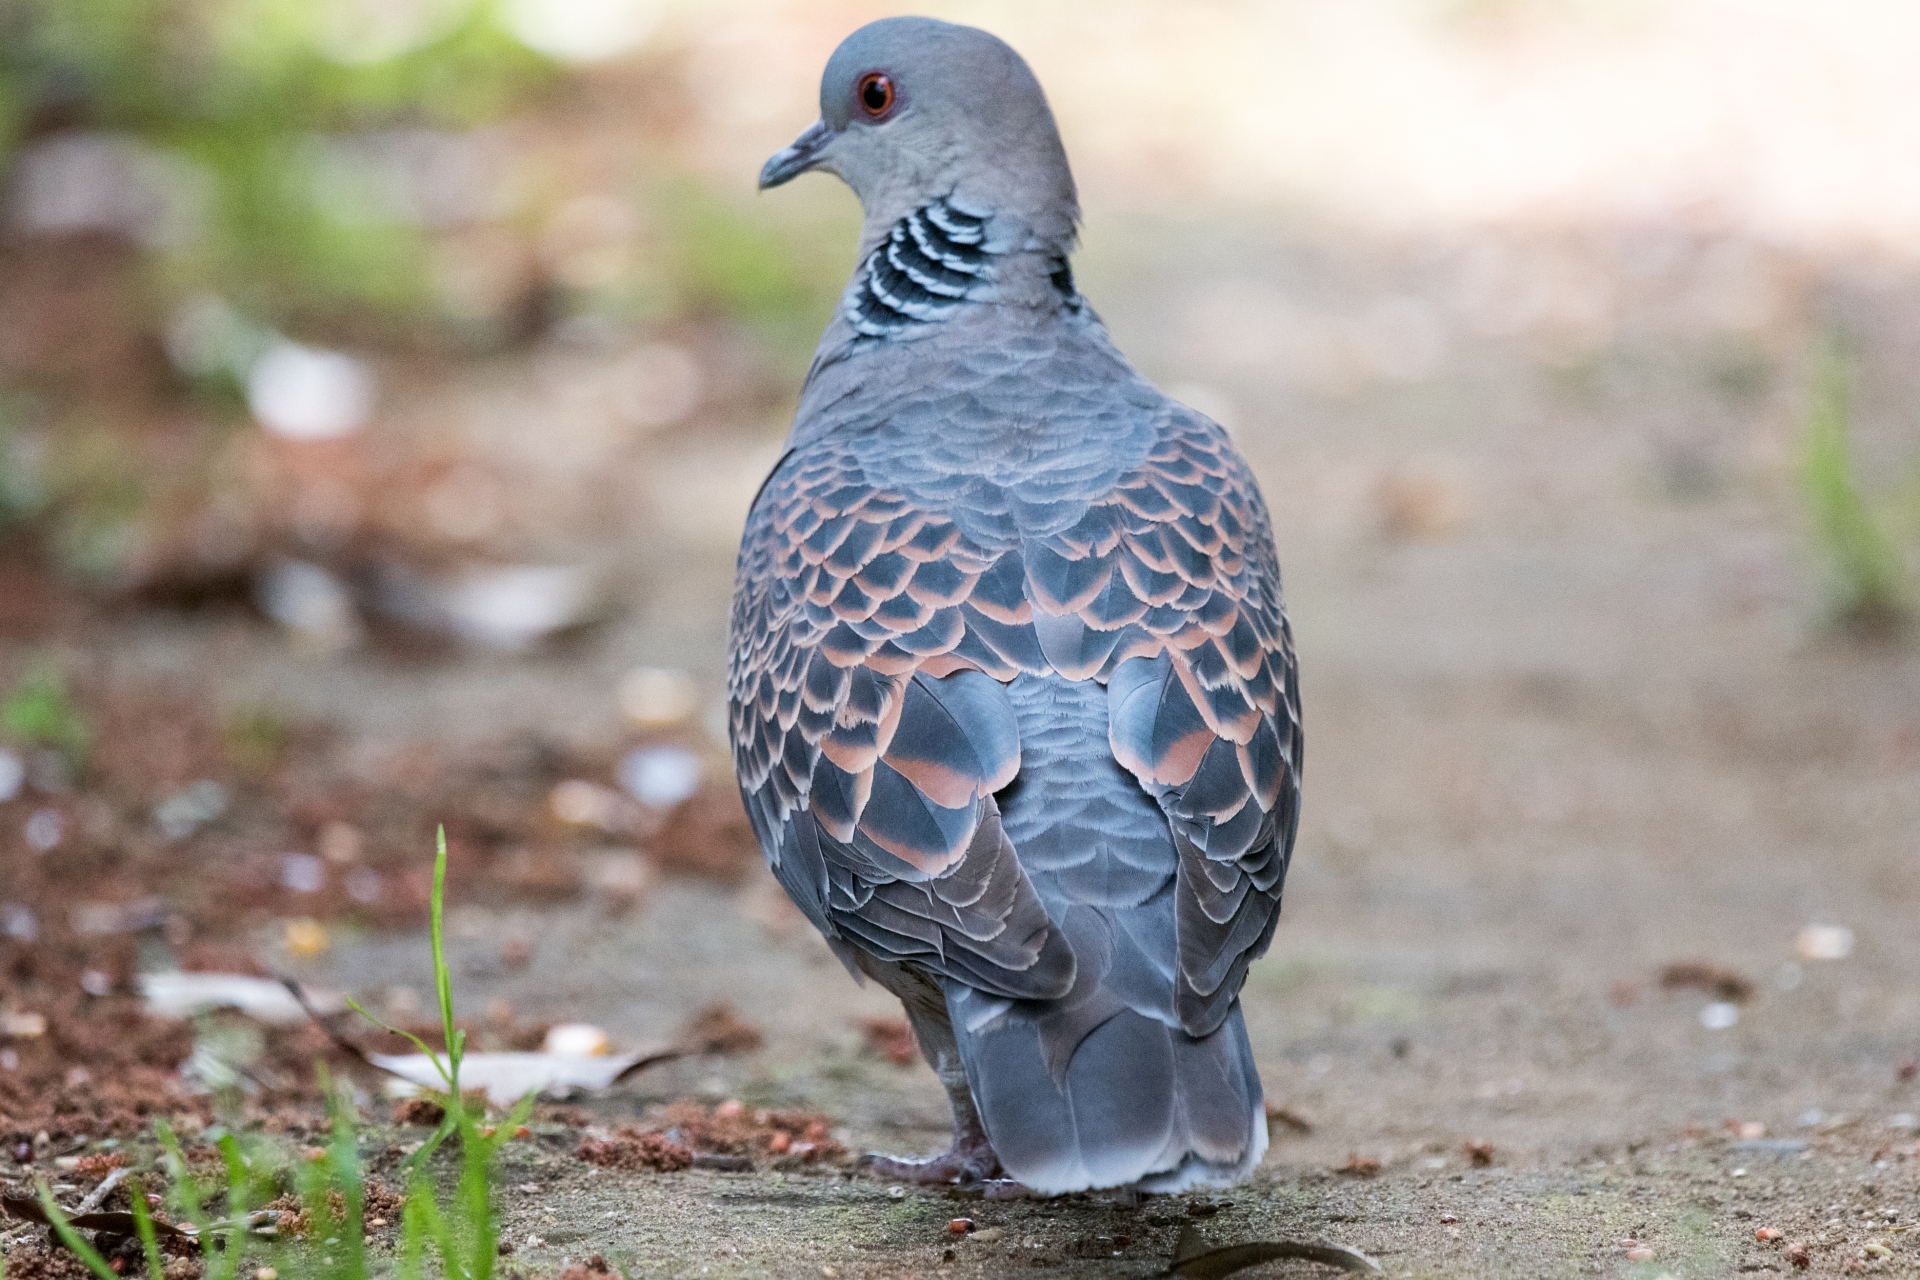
875, 93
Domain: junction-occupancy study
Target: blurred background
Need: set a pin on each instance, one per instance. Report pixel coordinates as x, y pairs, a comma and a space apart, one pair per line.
383, 384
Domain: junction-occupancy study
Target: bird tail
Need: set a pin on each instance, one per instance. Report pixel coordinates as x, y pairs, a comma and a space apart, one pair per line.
1135, 1102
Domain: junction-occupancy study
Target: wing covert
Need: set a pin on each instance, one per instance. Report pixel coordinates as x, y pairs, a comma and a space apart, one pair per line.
873, 629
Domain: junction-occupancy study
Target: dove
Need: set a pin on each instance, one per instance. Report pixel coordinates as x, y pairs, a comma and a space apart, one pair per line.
1012, 695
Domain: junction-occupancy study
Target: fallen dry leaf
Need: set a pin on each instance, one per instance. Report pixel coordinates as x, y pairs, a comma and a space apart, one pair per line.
118, 1221
1479, 1154
1716, 980
1287, 1117
508, 1077
180, 996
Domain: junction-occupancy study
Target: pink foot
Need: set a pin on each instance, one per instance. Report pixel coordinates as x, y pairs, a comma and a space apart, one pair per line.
968, 1163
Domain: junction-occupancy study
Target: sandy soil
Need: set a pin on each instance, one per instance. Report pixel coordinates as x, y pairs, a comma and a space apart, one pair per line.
1573, 719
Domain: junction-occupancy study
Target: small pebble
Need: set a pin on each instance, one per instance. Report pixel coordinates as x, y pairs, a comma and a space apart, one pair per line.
1448, 1219
1642, 1254
1719, 1015
1766, 1233
658, 696
305, 939
896, 1193
660, 777
576, 1040
1825, 942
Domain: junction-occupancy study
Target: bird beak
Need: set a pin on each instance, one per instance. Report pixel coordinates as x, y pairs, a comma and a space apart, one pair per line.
804, 154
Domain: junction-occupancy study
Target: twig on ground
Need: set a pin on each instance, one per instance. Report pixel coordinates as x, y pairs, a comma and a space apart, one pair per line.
98, 1196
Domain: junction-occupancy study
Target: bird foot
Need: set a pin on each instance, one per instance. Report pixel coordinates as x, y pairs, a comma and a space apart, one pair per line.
967, 1162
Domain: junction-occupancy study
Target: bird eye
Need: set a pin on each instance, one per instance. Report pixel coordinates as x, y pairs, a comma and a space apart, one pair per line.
875, 93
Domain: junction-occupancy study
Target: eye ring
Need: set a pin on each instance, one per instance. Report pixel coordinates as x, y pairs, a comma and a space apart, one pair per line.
875, 94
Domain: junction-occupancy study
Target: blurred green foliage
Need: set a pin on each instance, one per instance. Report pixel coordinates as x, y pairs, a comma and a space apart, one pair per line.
781, 276
1861, 542
257, 738
233, 96
38, 711
22, 491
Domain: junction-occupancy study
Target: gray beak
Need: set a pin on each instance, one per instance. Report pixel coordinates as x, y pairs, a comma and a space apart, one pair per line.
791, 162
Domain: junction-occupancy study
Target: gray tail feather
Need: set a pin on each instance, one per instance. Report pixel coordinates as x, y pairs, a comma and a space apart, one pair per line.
1140, 1103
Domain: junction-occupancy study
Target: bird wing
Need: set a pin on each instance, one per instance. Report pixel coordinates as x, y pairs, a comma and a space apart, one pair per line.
870, 635
868, 776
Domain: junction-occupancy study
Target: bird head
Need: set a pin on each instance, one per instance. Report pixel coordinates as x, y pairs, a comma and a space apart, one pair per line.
914, 109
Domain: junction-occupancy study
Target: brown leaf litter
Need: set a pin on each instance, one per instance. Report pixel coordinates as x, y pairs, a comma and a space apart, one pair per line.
632, 1149
729, 1135
83, 1056
719, 1029
380, 1203
1359, 1166
890, 1039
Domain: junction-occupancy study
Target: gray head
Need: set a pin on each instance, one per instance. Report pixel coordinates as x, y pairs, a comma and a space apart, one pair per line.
915, 108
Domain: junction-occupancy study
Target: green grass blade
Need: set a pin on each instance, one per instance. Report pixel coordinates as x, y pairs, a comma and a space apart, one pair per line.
143, 1224
413, 1232
442, 975
187, 1193
343, 1162
418, 1043
1864, 554
237, 1179
71, 1238
434, 1226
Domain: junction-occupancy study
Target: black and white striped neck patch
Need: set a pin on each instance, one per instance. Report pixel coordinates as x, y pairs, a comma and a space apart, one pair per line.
934, 260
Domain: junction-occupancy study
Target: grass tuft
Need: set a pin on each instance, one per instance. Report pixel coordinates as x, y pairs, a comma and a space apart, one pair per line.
1865, 561
456, 1237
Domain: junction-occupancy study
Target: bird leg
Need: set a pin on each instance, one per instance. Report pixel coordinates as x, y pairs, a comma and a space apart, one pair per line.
971, 1160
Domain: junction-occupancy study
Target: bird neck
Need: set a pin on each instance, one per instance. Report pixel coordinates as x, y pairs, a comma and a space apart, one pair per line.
948, 254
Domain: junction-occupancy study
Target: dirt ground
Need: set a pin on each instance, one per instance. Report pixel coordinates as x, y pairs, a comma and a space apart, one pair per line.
1574, 717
